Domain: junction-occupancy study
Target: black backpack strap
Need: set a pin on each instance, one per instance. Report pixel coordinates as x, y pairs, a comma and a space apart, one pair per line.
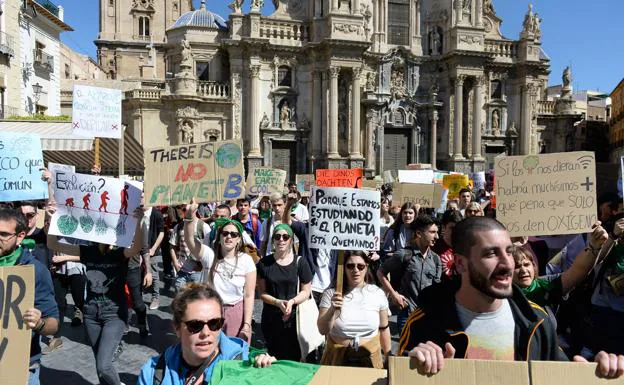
159, 371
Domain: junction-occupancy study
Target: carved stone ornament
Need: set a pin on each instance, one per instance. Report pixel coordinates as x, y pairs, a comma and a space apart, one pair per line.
470, 39
186, 131
265, 123
397, 83
348, 28
187, 112
236, 6
236, 101
145, 4
213, 132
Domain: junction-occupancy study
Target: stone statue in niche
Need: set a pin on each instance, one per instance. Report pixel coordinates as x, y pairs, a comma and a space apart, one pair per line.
434, 90
284, 113
370, 81
435, 42
397, 84
264, 123
187, 55
496, 122
186, 132
305, 123
512, 129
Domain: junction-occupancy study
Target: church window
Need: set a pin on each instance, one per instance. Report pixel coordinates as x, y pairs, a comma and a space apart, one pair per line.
202, 70
497, 89
398, 22
144, 26
284, 76
111, 3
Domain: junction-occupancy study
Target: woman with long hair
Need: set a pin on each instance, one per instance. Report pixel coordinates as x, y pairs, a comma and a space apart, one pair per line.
386, 219
400, 232
356, 320
284, 281
105, 310
231, 271
198, 319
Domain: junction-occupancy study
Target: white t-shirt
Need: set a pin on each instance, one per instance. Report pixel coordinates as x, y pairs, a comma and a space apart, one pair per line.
322, 275
301, 213
359, 316
229, 277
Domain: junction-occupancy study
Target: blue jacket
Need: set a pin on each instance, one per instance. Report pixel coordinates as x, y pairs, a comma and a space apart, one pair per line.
44, 297
230, 348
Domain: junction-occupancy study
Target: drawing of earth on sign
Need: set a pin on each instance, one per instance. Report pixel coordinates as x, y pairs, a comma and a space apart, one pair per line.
228, 155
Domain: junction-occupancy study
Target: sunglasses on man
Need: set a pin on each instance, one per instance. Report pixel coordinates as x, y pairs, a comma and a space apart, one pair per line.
195, 326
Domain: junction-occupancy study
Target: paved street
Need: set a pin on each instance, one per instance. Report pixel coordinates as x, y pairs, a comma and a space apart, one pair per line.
74, 363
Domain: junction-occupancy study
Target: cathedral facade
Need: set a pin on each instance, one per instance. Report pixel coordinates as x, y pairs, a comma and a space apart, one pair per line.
376, 84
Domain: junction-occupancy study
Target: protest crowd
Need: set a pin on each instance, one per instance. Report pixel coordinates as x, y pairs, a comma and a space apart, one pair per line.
454, 279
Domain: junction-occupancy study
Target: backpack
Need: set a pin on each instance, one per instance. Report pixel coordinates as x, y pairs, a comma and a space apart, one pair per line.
159, 370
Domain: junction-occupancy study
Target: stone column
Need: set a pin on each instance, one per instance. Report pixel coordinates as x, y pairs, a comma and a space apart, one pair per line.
459, 12
332, 139
525, 130
317, 110
477, 118
479, 12
458, 152
433, 147
334, 4
417, 18
254, 143
355, 119
268, 147
371, 125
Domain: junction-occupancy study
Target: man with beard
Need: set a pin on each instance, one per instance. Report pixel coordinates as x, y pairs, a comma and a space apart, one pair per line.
484, 316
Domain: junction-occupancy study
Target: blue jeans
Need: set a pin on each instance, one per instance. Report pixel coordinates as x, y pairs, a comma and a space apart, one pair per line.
33, 374
105, 322
184, 278
402, 317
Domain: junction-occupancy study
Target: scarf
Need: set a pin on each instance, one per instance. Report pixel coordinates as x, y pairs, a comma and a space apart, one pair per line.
221, 222
285, 227
9, 260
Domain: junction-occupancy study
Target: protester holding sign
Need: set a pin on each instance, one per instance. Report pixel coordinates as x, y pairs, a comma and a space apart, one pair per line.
43, 319
106, 309
386, 219
228, 269
283, 283
550, 290
484, 316
198, 319
355, 321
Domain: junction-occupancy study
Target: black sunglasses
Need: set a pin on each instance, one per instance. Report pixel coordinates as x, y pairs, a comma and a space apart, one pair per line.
284, 237
232, 234
195, 326
352, 266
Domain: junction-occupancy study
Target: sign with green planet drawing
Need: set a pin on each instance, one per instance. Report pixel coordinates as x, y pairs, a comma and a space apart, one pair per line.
208, 172
95, 208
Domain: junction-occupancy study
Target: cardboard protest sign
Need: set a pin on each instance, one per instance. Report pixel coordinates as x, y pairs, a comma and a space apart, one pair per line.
17, 290
425, 195
416, 176
96, 112
351, 178
548, 194
95, 208
263, 181
454, 183
20, 160
341, 375
403, 371
305, 182
344, 219
208, 172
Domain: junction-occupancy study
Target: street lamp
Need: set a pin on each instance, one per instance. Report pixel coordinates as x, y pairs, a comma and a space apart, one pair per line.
37, 88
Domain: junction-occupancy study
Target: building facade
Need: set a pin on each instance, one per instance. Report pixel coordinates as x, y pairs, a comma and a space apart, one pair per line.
77, 66
376, 84
616, 123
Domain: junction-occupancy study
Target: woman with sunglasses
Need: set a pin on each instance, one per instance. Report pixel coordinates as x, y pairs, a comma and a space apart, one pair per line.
355, 321
198, 320
284, 281
231, 271
105, 310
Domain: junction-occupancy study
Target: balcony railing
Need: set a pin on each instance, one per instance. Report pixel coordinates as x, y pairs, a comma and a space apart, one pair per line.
153, 94
43, 59
292, 33
6, 44
6, 111
502, 48
141, 37
50, 6
213, 90
546, 107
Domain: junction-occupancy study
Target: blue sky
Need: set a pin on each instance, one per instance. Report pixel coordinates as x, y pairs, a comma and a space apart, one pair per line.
580, 33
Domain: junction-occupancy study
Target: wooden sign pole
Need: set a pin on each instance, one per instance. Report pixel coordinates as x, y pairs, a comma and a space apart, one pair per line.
340, 271
96, 161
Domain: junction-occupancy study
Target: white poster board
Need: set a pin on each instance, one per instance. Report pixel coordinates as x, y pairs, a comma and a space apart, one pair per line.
416, 176
95, 208
344, 218
96, 112
21, 159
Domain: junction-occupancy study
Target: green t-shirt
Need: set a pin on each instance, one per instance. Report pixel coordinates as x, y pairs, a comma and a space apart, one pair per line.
545, 291
279, 373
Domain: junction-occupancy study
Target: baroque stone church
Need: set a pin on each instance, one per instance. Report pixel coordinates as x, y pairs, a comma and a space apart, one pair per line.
376, 84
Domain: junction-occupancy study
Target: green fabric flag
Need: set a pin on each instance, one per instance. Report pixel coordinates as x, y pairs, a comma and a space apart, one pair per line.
228, 372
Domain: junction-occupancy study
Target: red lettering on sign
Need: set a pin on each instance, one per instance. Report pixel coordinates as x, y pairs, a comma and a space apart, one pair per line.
194, 171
